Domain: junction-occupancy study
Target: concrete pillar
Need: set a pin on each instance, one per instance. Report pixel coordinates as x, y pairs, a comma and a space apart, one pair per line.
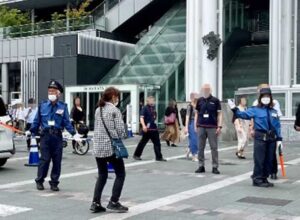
202, 18
5, 82
282, 32
209, 23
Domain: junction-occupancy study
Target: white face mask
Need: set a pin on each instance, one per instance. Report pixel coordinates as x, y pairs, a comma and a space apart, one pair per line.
52, 98
265, 100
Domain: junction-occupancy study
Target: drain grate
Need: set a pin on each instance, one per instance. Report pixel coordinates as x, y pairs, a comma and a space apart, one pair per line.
265, 201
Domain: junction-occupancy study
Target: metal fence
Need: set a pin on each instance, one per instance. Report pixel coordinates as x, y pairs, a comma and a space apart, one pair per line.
48, 27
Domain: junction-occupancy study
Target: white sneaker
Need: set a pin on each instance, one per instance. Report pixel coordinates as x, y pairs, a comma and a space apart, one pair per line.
195, 159
187, 152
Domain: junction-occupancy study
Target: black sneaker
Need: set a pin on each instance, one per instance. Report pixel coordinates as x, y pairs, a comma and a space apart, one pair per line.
261, 184
274, 176
40, 186
270, 184
215, 171
54, 188
174, 145
161, 159
117, 207
168, 143
200, 170
96, 207
136, 157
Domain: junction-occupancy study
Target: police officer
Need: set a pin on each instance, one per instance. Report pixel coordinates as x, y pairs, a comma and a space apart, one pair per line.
267, 135
52, 117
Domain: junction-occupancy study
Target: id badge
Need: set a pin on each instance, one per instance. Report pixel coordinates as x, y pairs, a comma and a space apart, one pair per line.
206, 116
51, 123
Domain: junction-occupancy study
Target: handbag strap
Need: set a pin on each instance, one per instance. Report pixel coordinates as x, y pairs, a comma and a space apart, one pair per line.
101, 115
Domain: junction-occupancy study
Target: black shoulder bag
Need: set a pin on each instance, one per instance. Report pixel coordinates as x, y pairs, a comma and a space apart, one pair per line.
117, 143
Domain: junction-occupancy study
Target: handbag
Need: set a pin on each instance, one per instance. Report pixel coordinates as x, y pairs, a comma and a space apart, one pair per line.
171, 119
117, 143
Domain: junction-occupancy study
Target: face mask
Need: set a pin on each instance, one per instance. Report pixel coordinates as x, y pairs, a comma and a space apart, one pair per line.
265, 100
116, 103
52, 98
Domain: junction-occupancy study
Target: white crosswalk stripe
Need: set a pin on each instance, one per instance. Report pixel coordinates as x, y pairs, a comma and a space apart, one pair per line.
7, 210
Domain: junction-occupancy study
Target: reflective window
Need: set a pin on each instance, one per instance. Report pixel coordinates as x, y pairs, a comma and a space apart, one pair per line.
295, 102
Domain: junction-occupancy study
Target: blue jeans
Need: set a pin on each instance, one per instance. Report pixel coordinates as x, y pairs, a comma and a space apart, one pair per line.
193, 138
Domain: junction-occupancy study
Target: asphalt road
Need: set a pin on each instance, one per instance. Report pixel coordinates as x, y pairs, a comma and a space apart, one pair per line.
154, 190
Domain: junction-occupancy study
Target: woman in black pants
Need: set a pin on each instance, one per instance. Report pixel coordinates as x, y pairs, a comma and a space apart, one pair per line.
107, 114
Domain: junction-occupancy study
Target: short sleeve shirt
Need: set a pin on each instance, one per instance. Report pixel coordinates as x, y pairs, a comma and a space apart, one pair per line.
149, 114
208, 109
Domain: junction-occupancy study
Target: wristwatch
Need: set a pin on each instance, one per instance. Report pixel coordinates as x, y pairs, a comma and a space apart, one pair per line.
220, 127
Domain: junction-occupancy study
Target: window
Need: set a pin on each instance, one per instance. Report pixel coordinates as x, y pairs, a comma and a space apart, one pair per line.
280, 97
295, 102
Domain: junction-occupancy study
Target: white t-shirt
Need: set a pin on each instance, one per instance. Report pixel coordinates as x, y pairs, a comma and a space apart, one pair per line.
20, 114
276, 106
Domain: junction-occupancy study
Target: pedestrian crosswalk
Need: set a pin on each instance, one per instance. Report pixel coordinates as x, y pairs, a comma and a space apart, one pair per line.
7, 210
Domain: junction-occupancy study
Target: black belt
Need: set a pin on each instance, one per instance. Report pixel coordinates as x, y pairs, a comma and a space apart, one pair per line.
265, 135
52, 131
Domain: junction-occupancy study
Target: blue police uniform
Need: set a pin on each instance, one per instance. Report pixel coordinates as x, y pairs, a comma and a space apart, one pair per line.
267, 131
51, 118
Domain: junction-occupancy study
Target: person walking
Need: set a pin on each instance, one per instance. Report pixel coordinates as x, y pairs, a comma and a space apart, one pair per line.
20, 117
30, 114
267, 135
150, 131
171, 133
208, 122
242, 129
108, 118
53, 117
189, 126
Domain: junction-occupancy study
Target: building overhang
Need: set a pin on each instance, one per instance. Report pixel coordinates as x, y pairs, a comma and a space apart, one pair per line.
34, 4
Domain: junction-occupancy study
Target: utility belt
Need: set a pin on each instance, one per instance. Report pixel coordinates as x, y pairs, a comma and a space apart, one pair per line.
265, 135
52, 131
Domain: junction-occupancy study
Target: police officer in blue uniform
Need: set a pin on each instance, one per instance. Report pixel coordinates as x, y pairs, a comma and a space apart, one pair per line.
52, 117
267, 136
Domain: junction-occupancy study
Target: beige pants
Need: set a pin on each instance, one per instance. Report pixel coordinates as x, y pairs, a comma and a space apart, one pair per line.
242, 136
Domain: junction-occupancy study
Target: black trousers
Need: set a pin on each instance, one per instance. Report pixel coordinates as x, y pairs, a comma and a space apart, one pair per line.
275, 163
28, 126
51, 149
119, 167
154, 137
263, 159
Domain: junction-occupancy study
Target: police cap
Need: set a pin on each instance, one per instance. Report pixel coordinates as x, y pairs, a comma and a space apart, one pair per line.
265, 91
55, 85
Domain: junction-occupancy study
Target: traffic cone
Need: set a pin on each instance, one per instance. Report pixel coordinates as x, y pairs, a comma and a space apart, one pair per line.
34, 159
129, 131
110, 168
